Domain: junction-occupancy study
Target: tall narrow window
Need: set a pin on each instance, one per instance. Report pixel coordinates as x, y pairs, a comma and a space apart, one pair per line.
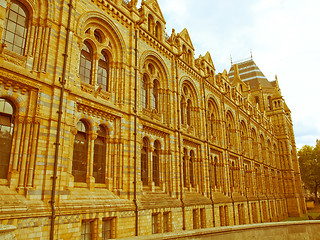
85, 68
99, 161
158, 30
185, 162
108, 228
232, 174
202, 217
102, 76
155, 223
80, 153
212, 124
6, 132
215, 165
191, 169
182, 109
150, 24
222, 216
86, 229
184, 53
155, 163
16, 28
155, 95
144, 90
189, 106
144, 162
195, 217
166, 221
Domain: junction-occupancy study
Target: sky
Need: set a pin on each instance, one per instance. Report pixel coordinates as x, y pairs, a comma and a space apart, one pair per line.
283, 36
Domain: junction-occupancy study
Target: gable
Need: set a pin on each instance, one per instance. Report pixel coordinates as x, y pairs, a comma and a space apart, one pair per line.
184, 35
208, 58
154, 8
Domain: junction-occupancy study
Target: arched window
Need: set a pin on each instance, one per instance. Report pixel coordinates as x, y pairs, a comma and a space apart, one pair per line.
269, 153
85, 68
144, 92
102, 75
215, 166
184, 53
212, 124
158, 30
6, 132
263, 149
156, 163
255, 150
230, 130
182, 109
80, 153
191, 168
99, 160
16, 28
150, 24
155, 95
144, 162
244, 137
185, 162
189, 57
232, 174
189, 107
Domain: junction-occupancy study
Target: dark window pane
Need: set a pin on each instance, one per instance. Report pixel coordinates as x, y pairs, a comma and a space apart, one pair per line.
6, 132
80, 155
16, 25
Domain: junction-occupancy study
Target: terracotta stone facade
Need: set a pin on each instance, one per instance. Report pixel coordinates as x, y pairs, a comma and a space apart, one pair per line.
137, 136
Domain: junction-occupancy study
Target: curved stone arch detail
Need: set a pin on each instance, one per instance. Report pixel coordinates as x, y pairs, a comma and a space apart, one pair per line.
231, 113
255, 130
86, 17
87, 118
18, 101
108, 126
158, 59
161, 141
39, 9
243, 121
212, 98
187, 80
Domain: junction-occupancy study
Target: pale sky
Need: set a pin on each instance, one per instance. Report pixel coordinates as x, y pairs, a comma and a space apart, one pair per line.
284, 36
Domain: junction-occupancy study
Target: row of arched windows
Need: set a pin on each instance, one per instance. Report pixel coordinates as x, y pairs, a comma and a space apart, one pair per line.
15, 36
80, 153
154, 27
152, 161
187, 55
88, 64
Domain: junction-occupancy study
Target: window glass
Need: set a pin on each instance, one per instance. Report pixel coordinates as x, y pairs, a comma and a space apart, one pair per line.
144, 162
99, 161
86, 230
102, 76
15, 28
6, 133
80, 153
85, 68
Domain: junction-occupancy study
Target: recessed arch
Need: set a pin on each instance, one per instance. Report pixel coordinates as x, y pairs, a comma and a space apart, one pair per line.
107, 25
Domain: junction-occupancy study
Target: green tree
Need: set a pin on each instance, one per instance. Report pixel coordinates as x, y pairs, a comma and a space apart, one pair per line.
309, 159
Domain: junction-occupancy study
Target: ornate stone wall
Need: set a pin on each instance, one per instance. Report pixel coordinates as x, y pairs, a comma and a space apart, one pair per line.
152, 140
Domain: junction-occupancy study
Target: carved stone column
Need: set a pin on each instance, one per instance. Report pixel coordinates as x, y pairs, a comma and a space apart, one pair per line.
90, 179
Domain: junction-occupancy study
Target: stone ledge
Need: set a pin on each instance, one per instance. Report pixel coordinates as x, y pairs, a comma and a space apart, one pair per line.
309, 230
7, 232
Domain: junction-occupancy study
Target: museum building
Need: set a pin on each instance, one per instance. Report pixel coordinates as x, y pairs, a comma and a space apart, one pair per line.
111, 128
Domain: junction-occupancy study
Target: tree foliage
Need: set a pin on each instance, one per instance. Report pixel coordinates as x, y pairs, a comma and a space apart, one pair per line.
309, 159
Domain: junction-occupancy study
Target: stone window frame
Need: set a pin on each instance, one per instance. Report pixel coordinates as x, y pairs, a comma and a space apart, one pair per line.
7, 120
19, 20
